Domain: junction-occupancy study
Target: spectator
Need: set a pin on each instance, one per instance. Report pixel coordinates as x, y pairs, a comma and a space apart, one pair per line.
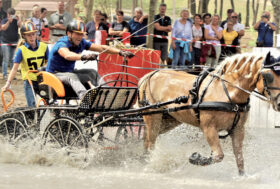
36, 11
182, 28
198, 36
95, 24
138, 27
58, 22
119, 27
213, 34
30, 48
104, 19
265, 30
162, 27
3, 15
229, 12
10, 35
43, 18
230, 37
67, 50
207, 19
237, 27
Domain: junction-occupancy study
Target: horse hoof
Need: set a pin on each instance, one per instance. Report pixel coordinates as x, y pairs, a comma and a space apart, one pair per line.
241, 173
197, 159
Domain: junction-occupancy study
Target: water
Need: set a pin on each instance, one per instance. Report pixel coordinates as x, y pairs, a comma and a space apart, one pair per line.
30, 166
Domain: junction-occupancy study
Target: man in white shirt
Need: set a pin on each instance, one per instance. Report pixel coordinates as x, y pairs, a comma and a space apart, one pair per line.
236, 25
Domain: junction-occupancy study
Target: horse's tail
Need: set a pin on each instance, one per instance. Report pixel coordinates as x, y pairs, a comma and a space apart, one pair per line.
141, 88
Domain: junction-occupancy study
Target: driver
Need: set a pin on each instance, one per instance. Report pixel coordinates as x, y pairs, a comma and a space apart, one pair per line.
67, 50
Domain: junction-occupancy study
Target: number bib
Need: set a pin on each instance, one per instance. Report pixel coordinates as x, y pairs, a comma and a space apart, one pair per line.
32, 60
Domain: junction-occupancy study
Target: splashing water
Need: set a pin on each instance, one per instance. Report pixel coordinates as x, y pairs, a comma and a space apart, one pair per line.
31, 165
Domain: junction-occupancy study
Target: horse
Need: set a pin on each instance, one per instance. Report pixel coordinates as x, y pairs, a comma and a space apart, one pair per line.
216, 100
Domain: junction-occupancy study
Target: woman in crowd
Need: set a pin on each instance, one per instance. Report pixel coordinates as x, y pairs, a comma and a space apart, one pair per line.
95, 24
197, 35
206, 19
213, 34
119, 27
230, 37
182, 28
43, 18
29, 48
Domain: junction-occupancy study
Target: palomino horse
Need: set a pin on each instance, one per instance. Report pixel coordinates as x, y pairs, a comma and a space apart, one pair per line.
218, 102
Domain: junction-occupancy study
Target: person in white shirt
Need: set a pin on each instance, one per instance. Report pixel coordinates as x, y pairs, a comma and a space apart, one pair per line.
237, 27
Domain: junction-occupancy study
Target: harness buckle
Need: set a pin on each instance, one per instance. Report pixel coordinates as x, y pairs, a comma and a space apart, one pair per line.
235, 108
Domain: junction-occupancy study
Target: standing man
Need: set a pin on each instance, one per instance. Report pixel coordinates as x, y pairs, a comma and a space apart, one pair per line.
58, 22
239, 28
10, 35
67, 50
3, 15
265, 30
137, 24
162, 27
229, 12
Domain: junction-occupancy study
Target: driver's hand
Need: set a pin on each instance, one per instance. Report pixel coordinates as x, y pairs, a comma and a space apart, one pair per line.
126, 53
6, 87
89, 57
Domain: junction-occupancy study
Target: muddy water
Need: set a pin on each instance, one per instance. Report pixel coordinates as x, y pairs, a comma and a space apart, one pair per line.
28, 165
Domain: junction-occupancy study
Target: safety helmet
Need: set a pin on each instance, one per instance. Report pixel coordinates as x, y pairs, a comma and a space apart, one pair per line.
76, 26
27, 27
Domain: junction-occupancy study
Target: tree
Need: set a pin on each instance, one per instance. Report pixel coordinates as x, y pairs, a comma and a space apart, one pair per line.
152, 12
221, 9
205, 6
247, 13
232, 4
118, 4
264, 5
255, 10
276, 9
134, 4
88, 4
193, 7
200, 7
216, 6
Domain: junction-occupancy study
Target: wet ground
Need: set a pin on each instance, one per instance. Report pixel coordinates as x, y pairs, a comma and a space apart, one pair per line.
28, 165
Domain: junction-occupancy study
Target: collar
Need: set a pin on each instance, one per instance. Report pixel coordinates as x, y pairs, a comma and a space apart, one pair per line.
30, 48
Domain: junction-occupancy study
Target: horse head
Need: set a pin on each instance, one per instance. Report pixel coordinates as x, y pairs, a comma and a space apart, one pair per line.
269, 81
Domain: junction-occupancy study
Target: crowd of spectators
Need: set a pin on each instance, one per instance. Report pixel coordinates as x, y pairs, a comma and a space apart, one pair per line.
192, 29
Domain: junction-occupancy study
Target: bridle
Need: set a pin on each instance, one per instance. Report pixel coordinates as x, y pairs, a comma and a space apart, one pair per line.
266, 87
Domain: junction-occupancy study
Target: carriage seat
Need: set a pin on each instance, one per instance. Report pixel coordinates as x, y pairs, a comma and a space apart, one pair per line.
63, 91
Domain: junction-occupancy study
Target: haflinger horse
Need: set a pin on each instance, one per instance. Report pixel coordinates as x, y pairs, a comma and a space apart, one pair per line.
216, 100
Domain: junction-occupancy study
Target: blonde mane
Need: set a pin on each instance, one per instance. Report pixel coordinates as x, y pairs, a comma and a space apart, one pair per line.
238, 62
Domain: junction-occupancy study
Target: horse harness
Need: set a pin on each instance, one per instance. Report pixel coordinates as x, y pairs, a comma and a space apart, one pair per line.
197, 103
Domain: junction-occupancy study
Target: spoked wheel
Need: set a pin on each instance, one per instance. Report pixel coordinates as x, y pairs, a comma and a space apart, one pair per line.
65, 132
12, 130
128, 134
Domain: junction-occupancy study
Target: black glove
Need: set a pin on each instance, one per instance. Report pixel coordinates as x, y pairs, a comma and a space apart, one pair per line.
126, 53
89, 57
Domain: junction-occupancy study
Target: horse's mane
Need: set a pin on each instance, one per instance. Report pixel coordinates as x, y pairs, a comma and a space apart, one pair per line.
238, 63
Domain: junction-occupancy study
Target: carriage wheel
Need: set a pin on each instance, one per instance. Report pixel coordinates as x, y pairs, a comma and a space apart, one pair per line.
64, 132
128, 134
12, 130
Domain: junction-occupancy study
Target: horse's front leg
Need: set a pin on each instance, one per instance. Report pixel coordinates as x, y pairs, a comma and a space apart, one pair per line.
212, 137
237, 142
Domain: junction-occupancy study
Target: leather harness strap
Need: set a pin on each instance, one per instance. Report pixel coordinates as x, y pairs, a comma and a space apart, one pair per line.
215, 106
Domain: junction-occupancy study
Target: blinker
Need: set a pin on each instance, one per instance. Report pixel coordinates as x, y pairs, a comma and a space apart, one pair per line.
268, 77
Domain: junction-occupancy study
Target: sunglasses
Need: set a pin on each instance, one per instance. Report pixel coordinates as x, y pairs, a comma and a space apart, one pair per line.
234, 17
